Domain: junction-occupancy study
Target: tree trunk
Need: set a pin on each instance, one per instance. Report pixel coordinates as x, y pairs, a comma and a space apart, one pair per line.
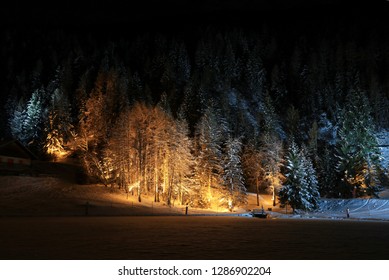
209, 188
139, 195
257, 185
156, 177
169, 197
171, 180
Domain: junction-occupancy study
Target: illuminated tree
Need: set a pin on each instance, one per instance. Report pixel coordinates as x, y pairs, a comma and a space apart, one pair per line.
271, 161
209, 170
253, 168
150, 152
357, 149
58, 127
184, 162
34, 117
233, 175
139, 118
91, 132
120, 151
162, 141
300, 190
54, 144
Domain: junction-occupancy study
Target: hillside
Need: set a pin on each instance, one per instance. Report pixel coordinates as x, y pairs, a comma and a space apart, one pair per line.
50, 196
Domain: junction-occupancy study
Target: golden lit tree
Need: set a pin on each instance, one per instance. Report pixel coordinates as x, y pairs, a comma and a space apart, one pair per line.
54, 143
209, 157
151, 154
272, 156
233, 174
253, 168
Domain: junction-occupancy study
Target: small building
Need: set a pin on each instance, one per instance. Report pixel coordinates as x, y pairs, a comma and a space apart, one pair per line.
14, 155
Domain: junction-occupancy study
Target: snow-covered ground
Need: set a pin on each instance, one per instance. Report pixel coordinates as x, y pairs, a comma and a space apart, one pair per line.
48, 196
359, 209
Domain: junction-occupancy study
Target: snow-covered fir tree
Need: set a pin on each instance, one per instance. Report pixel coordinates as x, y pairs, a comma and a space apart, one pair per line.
209, 170
54, 144
34, 116
253, 170
272, 161
58, 127
233, 174
358, 154
270, 121
327, 173
300, 190
183, 162
16, 122
312, 182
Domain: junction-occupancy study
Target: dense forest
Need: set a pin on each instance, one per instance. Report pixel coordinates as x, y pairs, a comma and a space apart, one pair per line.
201, 116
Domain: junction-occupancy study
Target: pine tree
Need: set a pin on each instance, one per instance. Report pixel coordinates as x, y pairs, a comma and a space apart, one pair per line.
233, 174
300, 190
312, 183
58, 126
292, 122
253, 170
278, 85
16, 122
312, 142
357, 149
271, 154
271, 124
327, 173
209, 170
34, 118
183, 161
54, 144
93, 127
255, 75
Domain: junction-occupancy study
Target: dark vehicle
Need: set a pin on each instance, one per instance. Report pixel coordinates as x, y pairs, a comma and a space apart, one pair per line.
259, 213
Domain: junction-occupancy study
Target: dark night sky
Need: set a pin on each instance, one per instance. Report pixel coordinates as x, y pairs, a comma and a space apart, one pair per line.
194, 11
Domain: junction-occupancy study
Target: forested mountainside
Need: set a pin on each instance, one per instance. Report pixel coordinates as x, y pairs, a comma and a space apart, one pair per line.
201, 111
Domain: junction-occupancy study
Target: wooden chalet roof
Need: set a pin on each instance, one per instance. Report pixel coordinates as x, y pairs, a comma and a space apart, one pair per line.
13, 148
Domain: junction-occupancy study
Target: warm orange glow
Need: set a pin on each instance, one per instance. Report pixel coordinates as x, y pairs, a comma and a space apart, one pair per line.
56, 152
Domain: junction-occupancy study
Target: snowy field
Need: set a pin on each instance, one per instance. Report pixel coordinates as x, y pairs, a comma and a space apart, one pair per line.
38, 196
49, 196
45, 218
335, 209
